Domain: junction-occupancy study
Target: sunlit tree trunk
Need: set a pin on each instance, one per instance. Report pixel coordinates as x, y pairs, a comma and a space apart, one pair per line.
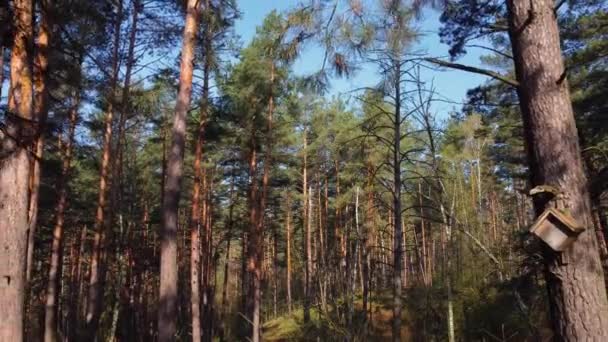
167, 310
577, 293
14, 177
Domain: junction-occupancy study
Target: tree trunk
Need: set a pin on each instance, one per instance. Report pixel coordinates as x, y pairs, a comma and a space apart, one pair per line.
229, 228
577, 295
398, 233
14, 177
52, 290
41, 63
307, 234
94, 297
73, 312
195, 221
252, 267
167, 311
288, 251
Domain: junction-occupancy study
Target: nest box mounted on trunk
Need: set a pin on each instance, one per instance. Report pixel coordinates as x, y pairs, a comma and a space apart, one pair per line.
557, 229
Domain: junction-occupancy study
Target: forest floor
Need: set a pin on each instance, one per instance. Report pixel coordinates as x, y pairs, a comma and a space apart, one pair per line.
321, 328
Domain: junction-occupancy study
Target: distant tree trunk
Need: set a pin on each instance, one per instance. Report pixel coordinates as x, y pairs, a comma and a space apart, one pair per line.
288, 251
252, 238
230, 226
307, 234
167, 310
94, 297
75, 292
367, 242
40, 76
14, 177
52, 290
398, 234
577, 295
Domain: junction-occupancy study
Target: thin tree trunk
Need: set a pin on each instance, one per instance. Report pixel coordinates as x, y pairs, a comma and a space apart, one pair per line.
288, 251
40, 72
257, 233
252, 239
307, 233
230, 225
398, 234
94, 297
75, 289
575, 282
52, 290
195, 220
14, 178
167, 311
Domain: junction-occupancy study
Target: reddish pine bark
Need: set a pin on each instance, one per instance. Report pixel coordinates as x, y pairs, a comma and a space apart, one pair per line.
14, 177
195, 219
577, 295
167, 310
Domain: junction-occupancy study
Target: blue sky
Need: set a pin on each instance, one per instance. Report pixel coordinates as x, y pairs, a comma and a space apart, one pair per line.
450, 84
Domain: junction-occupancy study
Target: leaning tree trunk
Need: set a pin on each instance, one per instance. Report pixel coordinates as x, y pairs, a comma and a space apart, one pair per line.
577, 296
167, 310
14, 177
53, 290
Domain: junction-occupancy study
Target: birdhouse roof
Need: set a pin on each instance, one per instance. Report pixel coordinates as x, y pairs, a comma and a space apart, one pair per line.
564, 218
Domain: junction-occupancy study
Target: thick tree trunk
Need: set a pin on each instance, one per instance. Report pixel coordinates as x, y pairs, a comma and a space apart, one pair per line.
52, 290
167, 310
94, 296
14, 177
577, 295
41, 63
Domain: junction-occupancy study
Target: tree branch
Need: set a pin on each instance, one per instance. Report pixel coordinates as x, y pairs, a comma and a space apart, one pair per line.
474, 70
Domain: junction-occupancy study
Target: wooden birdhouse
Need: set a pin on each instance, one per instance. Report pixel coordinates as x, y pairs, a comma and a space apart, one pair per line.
557, 229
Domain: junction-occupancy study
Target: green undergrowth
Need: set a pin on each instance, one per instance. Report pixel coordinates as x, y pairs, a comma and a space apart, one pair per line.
326, 327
